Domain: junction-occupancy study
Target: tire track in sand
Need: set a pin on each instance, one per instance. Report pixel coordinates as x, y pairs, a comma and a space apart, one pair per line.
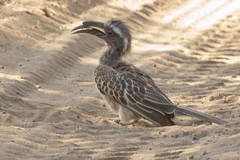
55, 112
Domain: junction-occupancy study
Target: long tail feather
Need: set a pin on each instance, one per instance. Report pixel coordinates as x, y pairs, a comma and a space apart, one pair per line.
200, 115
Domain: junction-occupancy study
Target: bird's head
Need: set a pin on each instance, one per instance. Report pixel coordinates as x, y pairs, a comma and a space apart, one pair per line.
114, 32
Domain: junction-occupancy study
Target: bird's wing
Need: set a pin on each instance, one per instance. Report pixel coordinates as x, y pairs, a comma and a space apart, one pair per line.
133, 91
126, 67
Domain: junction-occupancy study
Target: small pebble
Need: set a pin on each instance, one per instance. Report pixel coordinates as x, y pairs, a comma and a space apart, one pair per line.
211, 98
194, 137
175, 136
204, 153
191, 157
38, 86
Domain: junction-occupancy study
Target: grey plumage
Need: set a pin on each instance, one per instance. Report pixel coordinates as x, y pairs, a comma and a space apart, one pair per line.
128, 91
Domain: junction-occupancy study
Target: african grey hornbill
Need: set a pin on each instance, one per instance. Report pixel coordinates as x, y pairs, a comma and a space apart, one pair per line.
128, 91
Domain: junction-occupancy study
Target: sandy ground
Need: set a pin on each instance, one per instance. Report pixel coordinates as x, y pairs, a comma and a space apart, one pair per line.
49, 105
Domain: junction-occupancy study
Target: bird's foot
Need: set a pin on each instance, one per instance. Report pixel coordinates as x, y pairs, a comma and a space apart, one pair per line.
118, 121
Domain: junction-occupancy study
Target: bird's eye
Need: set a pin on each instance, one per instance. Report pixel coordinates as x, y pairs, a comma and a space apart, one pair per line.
110, 33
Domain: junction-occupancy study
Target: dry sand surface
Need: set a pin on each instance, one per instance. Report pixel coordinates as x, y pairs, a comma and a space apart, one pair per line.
51, 109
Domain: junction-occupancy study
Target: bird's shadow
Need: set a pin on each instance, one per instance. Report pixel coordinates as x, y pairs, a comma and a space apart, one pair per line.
182, 121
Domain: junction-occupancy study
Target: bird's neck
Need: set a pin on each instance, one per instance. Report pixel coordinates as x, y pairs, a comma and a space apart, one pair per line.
111, 56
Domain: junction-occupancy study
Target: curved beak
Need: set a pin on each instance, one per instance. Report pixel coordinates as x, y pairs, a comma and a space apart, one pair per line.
91, 27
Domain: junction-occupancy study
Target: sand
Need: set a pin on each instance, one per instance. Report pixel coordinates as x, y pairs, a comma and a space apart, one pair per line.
51, 109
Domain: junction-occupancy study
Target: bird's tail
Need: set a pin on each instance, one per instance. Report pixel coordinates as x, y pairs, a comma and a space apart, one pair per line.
199, 115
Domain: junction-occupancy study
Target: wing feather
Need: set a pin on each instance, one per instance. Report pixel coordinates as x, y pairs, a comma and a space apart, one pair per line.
155, 117
137, 92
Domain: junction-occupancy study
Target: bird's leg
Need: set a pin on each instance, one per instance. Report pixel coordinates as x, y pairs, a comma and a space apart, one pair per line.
127, 117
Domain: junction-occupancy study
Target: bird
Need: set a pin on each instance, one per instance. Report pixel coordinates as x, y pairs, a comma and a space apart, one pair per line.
129, 92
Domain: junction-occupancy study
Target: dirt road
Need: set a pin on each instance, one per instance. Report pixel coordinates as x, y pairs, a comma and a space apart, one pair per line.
51, 109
